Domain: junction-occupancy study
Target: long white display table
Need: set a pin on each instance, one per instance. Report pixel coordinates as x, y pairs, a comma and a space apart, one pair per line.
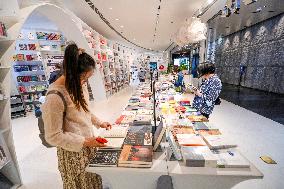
183, 177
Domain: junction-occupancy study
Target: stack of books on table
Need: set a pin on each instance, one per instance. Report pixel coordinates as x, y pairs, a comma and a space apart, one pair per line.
190, 140
136, 156
198, 156
115, 136
105, 158
230, 158
216, 142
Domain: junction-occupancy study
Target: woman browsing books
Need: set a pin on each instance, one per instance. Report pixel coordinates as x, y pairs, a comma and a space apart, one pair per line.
71, 129
209, 90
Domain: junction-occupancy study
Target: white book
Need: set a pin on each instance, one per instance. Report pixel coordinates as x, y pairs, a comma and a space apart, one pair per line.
198, 156
131, 113
216, 142
114, 143
144, 112
115, 132
230, 158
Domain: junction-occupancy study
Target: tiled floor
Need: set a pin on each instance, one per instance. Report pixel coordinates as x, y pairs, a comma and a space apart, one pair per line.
267, 104
255, 135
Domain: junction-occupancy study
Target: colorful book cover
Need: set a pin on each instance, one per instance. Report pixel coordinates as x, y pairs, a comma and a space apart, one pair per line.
209, 132
197, 118
139, 135
136, 155
182, 130
105, 158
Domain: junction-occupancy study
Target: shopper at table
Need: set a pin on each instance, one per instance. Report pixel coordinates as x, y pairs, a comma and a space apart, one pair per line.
72, 131
209, 90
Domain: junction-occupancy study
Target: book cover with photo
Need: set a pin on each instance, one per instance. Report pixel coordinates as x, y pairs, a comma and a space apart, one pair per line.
136, 156
105, 158
139, 135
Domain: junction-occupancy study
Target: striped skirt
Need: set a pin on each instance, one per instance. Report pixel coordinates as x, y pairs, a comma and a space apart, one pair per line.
72, 166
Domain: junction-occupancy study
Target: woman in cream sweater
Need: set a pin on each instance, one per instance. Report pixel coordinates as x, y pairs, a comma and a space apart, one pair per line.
72, 131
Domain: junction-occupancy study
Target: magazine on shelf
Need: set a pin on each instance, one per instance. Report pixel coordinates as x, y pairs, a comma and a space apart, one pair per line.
216, 142
190, 140
198, 156
136, 156
230, 158
105, 158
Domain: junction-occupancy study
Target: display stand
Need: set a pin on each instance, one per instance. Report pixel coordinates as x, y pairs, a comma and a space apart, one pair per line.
9, 171
183, 177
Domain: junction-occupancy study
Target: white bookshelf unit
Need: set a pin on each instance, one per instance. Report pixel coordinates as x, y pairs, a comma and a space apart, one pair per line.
9, 170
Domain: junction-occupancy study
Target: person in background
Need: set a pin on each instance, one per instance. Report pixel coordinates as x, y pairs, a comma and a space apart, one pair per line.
209, 90
56, 73
71, 131
142, 75
179, 84
42, 98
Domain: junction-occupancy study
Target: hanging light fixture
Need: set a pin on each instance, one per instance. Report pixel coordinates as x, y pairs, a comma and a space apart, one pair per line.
192, 31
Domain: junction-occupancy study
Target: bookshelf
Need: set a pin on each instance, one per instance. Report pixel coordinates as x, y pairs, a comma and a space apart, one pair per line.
37, 53
9, 170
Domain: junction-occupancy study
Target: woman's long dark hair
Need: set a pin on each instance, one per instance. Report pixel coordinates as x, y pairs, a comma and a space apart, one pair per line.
75, 64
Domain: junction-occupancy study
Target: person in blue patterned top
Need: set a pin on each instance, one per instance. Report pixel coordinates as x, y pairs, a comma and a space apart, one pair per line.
209, 90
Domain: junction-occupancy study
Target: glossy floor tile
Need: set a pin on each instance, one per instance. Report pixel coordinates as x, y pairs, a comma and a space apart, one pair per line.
267, 104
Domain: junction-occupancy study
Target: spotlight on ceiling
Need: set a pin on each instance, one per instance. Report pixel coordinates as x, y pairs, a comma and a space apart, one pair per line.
110, 8
122, 26
117, 19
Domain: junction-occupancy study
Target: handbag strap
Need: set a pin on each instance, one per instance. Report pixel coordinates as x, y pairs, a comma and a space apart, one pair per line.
62, 98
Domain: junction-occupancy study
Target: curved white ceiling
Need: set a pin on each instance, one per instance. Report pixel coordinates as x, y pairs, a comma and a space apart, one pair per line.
137, 18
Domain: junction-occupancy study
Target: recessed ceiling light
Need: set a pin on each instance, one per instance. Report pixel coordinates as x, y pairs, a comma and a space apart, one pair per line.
117, 19
134, 39
122, 26
110, 8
